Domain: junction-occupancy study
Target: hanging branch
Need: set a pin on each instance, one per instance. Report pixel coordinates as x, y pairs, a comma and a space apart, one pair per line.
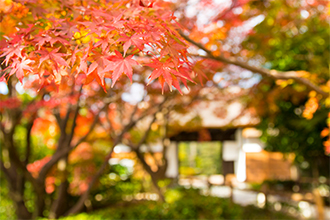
274, 74
9, 175
74, 123
28, 141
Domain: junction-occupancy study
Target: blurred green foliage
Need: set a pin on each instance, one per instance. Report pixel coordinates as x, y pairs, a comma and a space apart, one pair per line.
114, 185
292, 37
40, 150
7, 208
200, 158
287, 185
289, 40
290, 132
182, 204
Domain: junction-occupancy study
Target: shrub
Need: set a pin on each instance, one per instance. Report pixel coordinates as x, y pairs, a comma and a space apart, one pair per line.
181, 204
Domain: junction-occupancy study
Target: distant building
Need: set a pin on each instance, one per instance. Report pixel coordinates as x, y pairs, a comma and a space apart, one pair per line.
242, 154
242, 150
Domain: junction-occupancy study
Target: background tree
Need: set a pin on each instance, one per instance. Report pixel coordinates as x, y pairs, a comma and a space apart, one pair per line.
291, 37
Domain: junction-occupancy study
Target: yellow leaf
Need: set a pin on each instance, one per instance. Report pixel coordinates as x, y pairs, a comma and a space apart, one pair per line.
86, 39
327, 102
282, 83
312, 94
77, 35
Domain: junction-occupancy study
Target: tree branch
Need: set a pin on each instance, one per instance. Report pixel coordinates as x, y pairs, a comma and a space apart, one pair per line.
14, 158
91, 128
59, 154
74, 123
136, 147
28, 141
16, 194
165, 143
274, 74
146, 133
11, 177
224, 12
79, 205
95, 121
110, 124
66, 119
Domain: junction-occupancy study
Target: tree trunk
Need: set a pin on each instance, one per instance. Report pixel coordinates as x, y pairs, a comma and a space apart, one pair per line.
155, 180
18, 198
39, 205
21, 211
61, 204
317, 197
15, 176
14, 194
155, 176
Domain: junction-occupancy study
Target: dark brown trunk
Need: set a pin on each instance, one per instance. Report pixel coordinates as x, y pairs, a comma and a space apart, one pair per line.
21, 211
17, 196
155, 176
60, 205
16, 176
39, 205
155, 180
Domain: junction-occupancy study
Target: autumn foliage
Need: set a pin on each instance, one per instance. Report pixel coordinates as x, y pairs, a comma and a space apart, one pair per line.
92, 41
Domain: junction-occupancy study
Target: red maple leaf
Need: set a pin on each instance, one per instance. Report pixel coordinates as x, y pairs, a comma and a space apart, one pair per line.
83, 61
199, 70
167, 72
173, 49
12, 51
51, 39
19, 67
135, 39
120, 65
104, 42
96, 69
54, 56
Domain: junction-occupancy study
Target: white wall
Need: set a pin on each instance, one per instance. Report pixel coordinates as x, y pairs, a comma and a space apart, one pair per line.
172, 170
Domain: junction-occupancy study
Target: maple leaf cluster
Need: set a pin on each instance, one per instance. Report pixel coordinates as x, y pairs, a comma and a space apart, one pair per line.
94, 40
